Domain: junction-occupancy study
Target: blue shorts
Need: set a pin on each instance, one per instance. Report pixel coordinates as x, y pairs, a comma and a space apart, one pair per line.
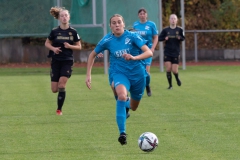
148, 61
135, 87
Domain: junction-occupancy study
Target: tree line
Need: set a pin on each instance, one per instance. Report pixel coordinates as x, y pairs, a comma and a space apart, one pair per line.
207, 15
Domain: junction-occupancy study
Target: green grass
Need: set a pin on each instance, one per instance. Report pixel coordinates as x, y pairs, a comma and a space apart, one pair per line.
198, 121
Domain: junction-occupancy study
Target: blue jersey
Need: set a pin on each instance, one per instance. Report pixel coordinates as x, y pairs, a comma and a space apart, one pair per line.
147, 30
128, 42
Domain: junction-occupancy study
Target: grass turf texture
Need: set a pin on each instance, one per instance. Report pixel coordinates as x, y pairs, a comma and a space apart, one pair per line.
198, 121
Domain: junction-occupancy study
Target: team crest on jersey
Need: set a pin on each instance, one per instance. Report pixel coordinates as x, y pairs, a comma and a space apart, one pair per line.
147, 27
70, 33
177, 33
127, 40
59, 33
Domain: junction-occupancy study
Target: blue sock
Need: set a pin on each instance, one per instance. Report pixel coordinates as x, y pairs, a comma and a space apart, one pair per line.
127, 102
148, 78
121, 116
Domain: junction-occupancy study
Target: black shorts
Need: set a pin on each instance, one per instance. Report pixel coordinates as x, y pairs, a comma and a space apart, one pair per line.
173, 60
60, 69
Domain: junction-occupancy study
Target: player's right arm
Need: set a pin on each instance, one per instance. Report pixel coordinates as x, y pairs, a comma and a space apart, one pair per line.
162, 36
98, 49
90, 62
48, 44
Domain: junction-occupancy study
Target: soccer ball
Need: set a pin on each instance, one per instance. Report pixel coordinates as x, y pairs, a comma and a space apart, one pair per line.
148, 142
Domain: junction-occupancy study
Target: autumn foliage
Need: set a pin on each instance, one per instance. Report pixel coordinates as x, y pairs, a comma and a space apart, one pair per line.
208, 15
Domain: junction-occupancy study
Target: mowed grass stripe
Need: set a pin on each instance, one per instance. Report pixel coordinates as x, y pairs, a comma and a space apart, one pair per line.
197, 121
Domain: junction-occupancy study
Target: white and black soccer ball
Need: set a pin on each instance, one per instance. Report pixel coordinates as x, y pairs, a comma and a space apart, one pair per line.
148, 142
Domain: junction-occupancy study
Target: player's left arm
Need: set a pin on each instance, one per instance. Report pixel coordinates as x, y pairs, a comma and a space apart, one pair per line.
76, 42
154, 37
154, 42
75, 46
181, 35
146, 54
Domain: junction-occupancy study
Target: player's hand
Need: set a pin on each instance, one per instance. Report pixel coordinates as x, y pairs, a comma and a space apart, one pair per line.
56, 50
127, 56
88, 82
66, 45
166, 38
152, 49
100, 55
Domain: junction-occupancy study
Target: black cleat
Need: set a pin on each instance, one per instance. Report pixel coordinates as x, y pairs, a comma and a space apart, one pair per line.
148, 89
179, 83
127, 113
123, 138
170, 87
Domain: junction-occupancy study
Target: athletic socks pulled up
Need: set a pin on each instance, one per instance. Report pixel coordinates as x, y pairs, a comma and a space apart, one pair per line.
121, 116
169, 78
179, 83
61, 98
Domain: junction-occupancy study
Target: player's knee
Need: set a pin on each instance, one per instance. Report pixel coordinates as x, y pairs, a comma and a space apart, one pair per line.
134, 104
174, 71
61, 85
134, 108
54, 90
168, 69
122, 97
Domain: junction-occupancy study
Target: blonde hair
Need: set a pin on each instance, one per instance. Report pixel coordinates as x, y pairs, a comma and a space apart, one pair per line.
55, 11
173, 15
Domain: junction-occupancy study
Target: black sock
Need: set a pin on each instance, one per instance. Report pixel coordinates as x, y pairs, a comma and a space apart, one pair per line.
177, 79
176, 76
61, 97
169, 78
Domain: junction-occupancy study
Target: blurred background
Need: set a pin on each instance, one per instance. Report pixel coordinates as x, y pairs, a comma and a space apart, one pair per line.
211, 26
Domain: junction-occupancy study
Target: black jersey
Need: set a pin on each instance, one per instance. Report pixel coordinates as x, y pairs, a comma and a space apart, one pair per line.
172, 45
58, 36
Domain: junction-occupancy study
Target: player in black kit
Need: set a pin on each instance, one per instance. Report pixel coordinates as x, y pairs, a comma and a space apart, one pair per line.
172, 36
61, 42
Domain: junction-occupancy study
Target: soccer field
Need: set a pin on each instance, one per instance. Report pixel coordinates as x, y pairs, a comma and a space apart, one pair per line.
198, 121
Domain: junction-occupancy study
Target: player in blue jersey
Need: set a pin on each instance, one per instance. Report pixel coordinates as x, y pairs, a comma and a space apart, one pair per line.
148, 30
173, 36
111, 83
61, 42
126, 50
